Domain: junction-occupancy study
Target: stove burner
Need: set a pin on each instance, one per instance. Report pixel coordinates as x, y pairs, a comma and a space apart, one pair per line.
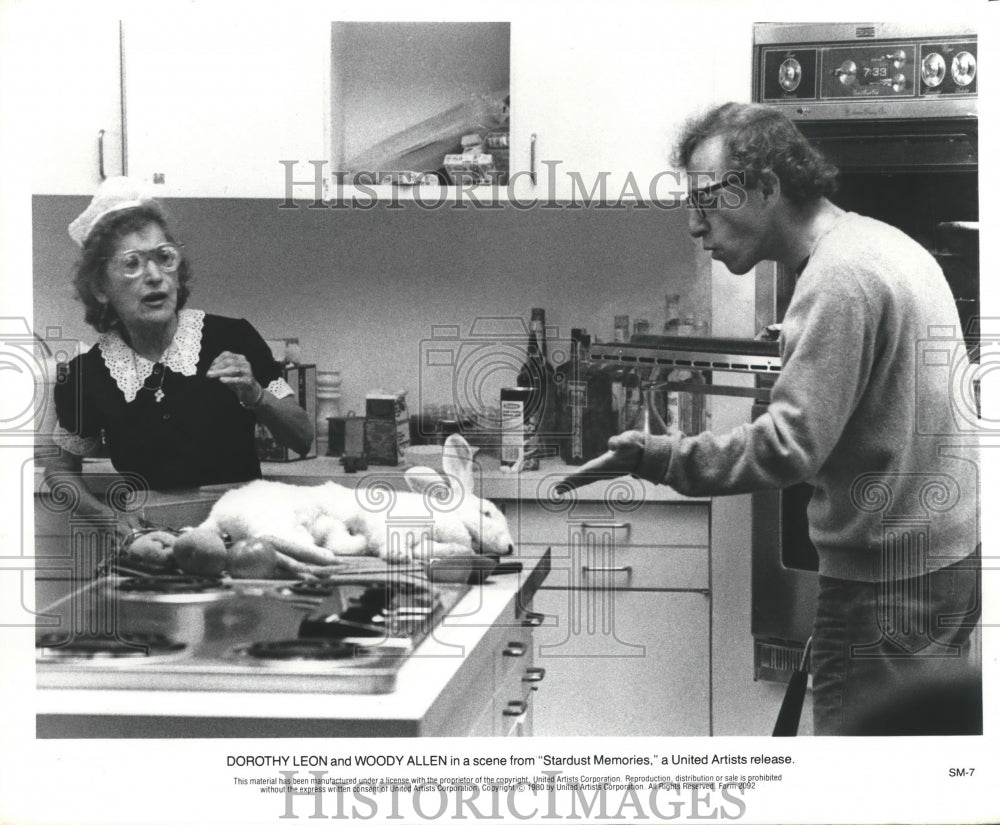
317, 588
173, 588
127, 646
303, 650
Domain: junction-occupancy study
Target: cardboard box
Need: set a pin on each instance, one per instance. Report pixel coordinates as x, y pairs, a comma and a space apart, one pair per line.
302, 379
387, 428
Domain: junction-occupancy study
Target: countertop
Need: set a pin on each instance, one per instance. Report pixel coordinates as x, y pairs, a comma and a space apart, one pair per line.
491, 481
413, 708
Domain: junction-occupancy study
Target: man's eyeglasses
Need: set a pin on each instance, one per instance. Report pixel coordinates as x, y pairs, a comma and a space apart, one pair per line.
707, 197
132, 263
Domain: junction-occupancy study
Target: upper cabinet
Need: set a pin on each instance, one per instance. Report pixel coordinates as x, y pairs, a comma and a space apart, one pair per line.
75, 112
600, 97
420, 100
204, 104
213, 105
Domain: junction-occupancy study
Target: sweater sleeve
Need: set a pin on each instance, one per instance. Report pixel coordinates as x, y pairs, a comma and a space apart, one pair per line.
828, 343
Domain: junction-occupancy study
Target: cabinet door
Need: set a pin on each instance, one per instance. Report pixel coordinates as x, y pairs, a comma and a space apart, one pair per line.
622, 663
75, 105
603, 93
215, 102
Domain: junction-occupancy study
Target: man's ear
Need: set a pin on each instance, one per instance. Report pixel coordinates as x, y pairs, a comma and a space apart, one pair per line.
769, 184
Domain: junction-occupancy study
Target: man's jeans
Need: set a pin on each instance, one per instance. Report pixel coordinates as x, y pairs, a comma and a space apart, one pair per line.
895, 658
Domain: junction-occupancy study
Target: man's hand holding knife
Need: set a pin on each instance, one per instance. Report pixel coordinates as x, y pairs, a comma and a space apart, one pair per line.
622, 458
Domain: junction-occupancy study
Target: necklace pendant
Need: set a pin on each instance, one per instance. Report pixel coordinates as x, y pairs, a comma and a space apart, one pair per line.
158, 395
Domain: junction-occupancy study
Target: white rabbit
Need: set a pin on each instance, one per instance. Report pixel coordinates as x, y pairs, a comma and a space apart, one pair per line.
311, 524
440, 517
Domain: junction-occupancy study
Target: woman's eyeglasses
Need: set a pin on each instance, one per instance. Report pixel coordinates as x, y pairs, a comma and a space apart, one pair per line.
132, 263
708, 197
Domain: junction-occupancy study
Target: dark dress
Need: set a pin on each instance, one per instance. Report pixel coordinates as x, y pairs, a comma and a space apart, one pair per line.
196, 434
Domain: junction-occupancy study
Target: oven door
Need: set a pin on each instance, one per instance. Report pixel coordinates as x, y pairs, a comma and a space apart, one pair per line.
921, 177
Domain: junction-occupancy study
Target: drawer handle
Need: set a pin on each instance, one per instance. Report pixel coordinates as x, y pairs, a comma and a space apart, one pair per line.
626, 526
626, 568
533, 674
532, 619
516, 707
515, 649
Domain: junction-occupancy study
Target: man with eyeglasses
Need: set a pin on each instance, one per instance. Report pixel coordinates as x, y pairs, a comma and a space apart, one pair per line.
848, 414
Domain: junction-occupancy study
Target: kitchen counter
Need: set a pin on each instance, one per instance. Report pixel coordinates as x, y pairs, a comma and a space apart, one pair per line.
446, 690
493, 483
440, 690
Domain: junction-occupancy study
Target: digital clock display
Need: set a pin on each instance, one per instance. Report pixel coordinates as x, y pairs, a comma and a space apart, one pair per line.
876, 72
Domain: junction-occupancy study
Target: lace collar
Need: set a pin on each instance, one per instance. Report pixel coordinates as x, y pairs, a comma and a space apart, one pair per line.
130, 370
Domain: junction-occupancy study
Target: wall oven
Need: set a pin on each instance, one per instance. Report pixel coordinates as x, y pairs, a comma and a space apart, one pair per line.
894, 106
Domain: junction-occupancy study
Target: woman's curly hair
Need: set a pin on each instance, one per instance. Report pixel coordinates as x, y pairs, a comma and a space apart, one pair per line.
91, 270
760, 140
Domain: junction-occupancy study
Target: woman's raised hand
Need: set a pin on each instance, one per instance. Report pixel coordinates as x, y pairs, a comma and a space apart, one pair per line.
233, 370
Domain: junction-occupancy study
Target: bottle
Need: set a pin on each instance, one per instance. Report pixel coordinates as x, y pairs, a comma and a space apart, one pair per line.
691, 414
538, 375
671, 314
621, 329
571, 380
599, 420
514, 404
590, 416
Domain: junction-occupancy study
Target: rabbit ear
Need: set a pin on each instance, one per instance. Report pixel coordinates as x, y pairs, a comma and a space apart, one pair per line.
456, 459
421, 479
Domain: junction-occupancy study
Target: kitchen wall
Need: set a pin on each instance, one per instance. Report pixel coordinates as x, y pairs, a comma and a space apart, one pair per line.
363, 288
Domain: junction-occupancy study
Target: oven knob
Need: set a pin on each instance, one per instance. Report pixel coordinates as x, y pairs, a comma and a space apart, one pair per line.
899, 83
932, 69
848, 72
897, 58
790, 74
963, 68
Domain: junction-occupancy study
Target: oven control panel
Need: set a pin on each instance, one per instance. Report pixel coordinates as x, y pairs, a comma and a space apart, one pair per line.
915, 77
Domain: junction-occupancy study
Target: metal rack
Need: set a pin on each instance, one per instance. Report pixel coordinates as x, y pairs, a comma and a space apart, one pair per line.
647, 354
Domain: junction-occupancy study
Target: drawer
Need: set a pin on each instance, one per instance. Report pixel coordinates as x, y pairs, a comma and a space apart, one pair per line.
513, 654
513, 705
651, 524
493, 688
589, 563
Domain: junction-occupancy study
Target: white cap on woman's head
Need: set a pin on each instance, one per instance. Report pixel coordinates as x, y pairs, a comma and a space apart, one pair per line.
112, 195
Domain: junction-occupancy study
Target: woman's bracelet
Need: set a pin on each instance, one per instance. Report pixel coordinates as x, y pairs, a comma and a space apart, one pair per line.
253, 405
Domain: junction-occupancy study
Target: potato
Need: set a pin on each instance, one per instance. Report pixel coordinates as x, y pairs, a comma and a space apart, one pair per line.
254, 558
200, 552
156, 547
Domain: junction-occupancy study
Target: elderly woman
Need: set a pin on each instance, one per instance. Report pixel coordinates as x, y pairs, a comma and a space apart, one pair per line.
175, 392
